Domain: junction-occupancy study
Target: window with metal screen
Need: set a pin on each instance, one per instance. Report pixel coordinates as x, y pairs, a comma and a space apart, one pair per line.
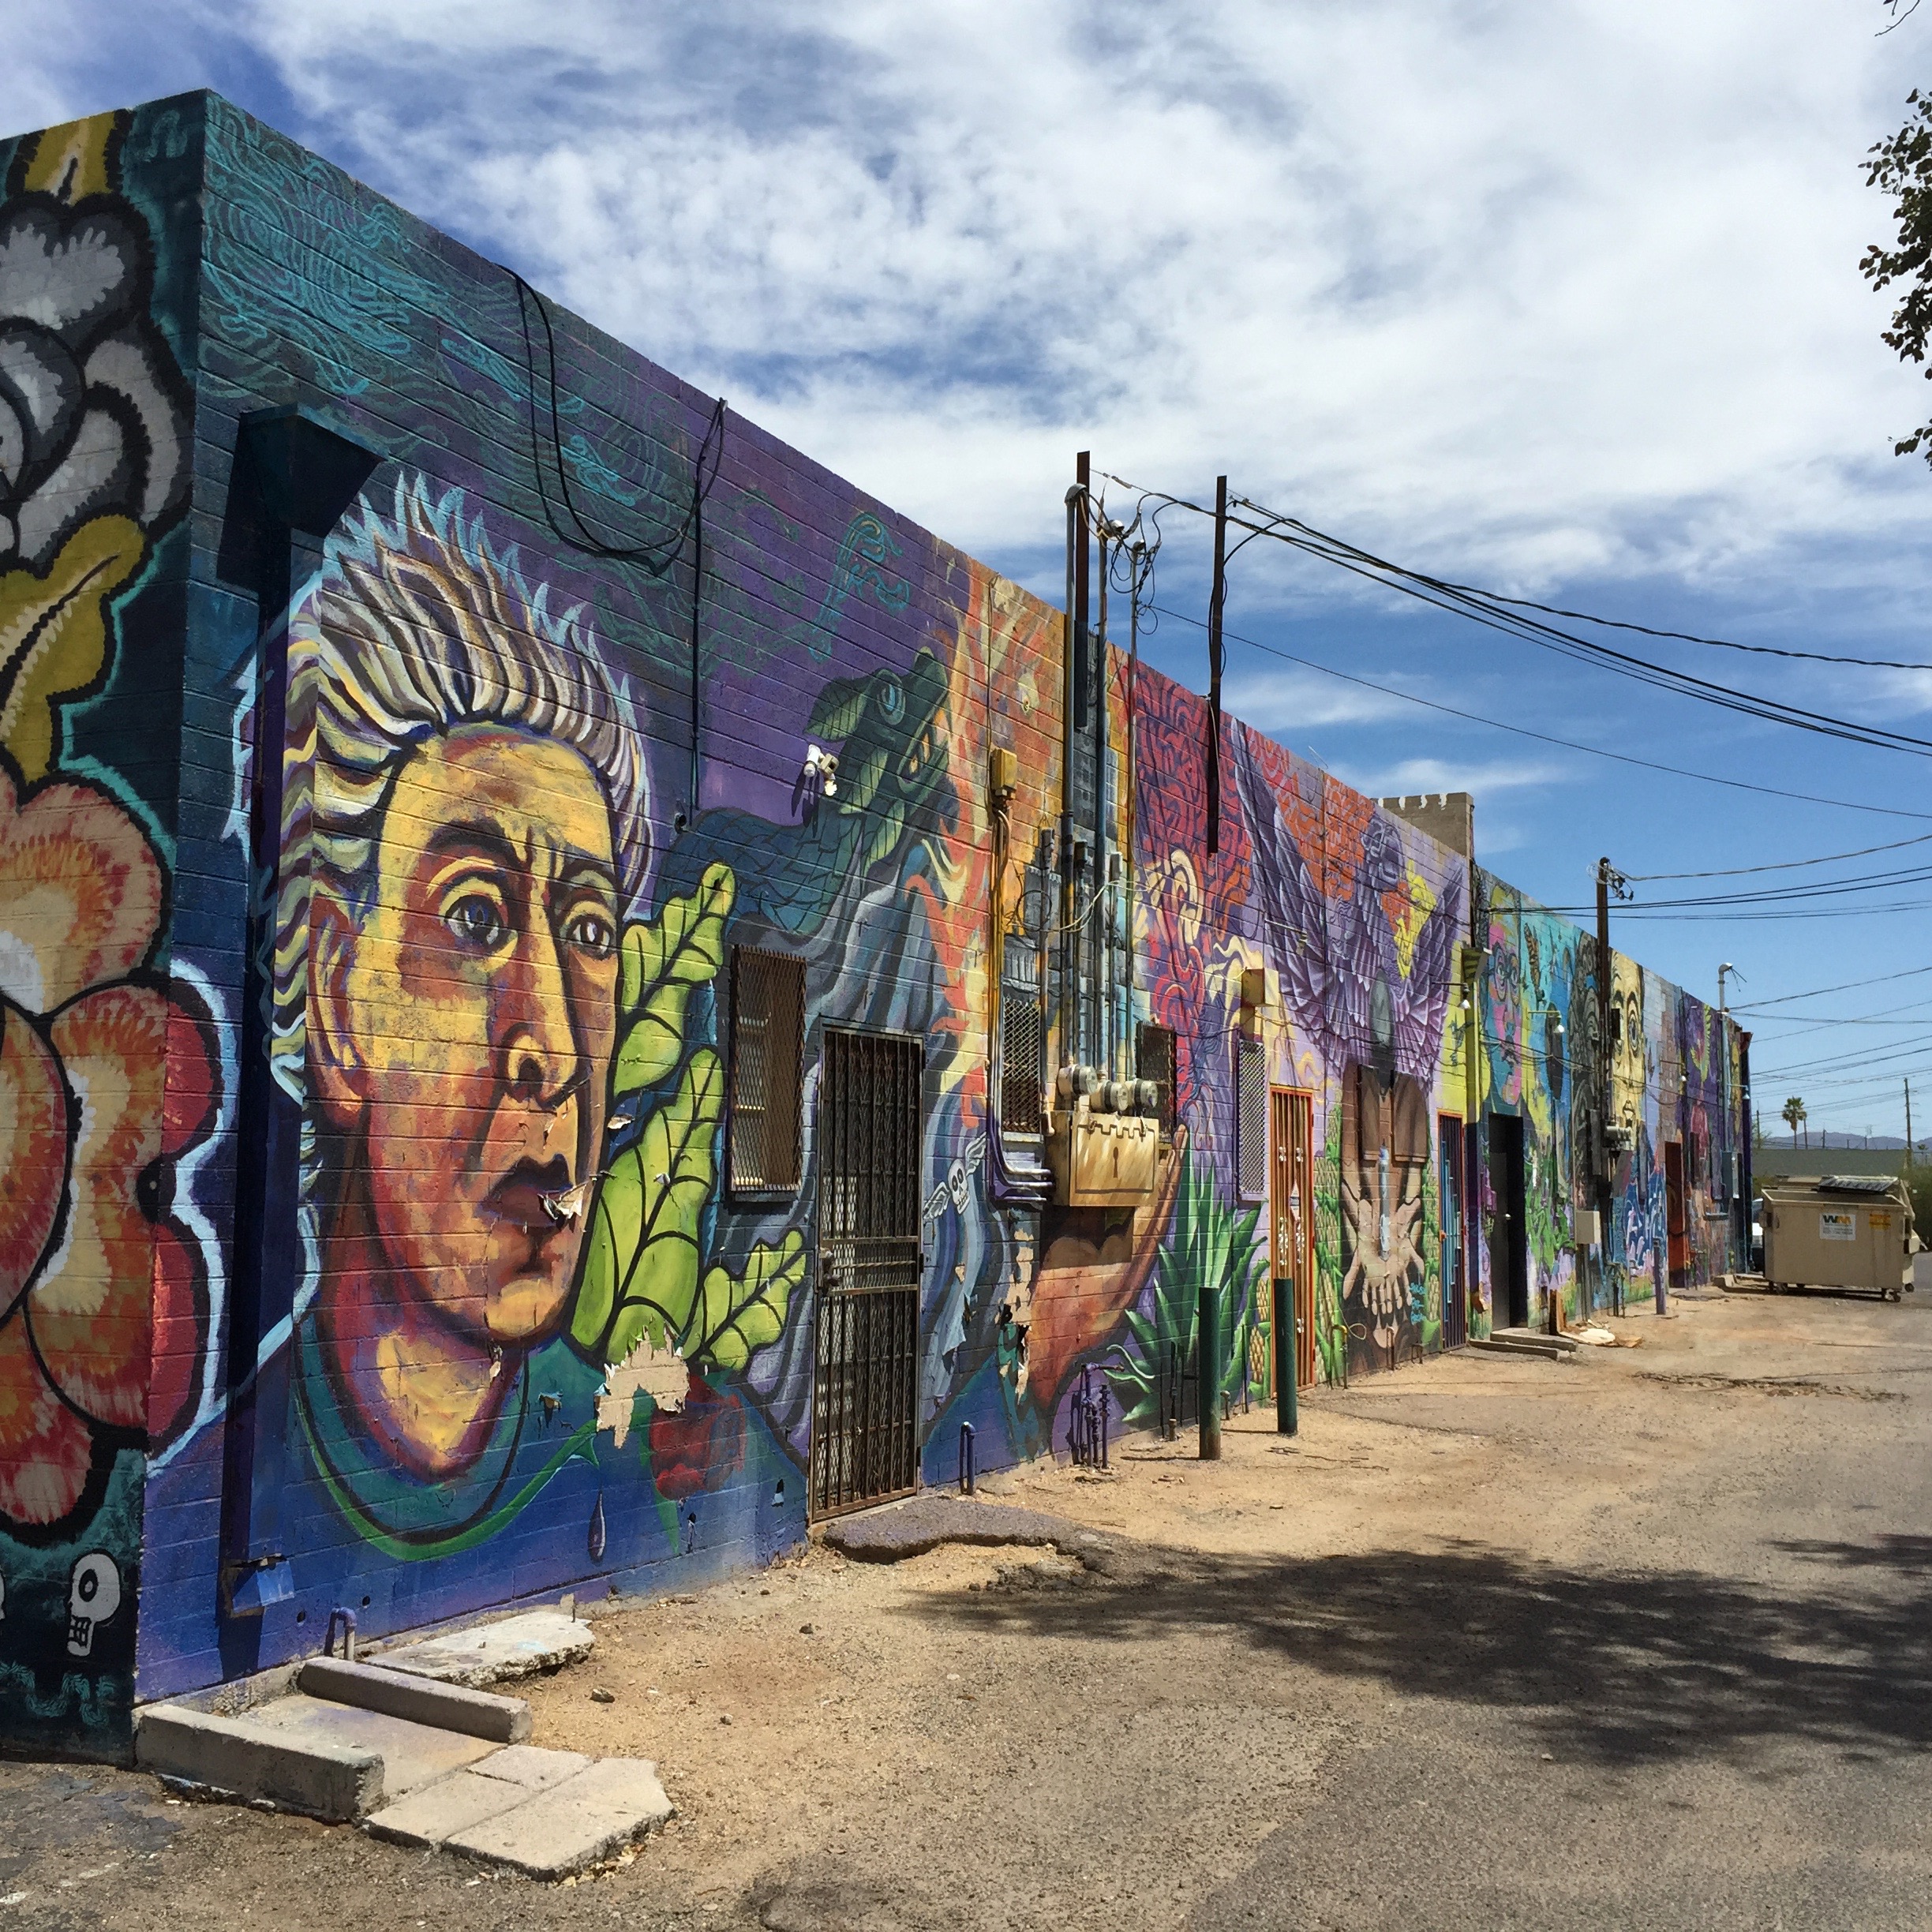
1251, 1119
1154, 1060
1020, 1061
767, 1030
1023, 1023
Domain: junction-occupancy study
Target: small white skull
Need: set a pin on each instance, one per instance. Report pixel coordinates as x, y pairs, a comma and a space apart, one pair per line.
93, 1597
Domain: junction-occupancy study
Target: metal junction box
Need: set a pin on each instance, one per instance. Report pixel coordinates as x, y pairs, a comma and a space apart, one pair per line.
1103, 1160
1841, 1231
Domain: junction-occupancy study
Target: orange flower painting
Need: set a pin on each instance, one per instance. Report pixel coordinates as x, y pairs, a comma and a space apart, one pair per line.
106, 1080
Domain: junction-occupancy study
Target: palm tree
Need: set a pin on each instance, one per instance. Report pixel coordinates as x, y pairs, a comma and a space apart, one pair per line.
1795, 1116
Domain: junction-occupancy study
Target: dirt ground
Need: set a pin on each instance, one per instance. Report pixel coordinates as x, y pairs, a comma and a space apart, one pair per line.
1636, 1638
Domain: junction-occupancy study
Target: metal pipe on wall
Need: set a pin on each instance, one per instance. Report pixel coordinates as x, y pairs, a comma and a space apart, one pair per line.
1103, 886
1068, 975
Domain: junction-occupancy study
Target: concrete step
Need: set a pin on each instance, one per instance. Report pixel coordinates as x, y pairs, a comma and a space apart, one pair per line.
1506, 1342
422, 1700
486, 1653
1539, 1338
302, 1753
546, 1814
578, 1822
430, 1817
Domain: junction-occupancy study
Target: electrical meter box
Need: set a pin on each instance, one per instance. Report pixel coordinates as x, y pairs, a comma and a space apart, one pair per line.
1103, 1160
1852, 1231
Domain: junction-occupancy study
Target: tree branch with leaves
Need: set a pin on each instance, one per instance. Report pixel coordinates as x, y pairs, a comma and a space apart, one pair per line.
1901, 167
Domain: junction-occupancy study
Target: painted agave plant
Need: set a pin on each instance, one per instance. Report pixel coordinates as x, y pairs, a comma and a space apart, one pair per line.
1207, 1240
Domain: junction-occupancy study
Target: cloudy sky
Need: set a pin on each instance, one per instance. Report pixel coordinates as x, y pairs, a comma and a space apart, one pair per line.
1561, 299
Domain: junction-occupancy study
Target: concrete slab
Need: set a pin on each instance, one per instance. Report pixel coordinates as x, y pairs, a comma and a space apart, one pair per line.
410, 1754
334, 1778
910, 1529
1544, 1347
422, 1700
1536, 1337
585, 1819
532, 1769
488, 1653
426, 1818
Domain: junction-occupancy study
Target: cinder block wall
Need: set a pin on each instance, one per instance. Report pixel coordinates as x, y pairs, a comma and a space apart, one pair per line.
381, 923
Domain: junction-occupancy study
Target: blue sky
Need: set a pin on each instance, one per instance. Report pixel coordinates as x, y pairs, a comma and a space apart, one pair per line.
1562, 300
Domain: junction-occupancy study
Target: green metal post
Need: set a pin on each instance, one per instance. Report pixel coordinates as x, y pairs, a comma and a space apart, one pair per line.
1207, 1375
1287, 1417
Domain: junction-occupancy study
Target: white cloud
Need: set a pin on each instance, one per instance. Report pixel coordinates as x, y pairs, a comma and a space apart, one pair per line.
1548, 292
1281, 702
1482, 778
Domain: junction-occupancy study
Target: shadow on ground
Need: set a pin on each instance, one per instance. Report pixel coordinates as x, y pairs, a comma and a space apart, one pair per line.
1624, 1669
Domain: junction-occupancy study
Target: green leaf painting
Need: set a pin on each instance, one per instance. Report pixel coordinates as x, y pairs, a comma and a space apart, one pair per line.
737, 1315
1206, 1240
644, 1250
840, 705
640, 1275
660, 964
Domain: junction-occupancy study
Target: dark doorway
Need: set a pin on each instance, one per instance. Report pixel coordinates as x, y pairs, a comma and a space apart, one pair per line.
1449, 1183
1509, 1236
865, 1409
1679, 1228
1293, 1201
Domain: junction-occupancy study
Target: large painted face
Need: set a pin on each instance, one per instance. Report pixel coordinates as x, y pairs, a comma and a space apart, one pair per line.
462, 1029
1630, 1054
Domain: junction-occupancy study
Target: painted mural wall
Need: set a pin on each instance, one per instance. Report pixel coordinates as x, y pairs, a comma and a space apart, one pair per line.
1354, 918
1675, 1083
519, 1334
412, 704
429, 891
110, 1078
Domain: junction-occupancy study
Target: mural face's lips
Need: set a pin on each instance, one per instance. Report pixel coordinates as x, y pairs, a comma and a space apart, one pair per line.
518, 1198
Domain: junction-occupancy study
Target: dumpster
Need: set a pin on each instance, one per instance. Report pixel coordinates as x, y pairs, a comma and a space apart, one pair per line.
1852, 1232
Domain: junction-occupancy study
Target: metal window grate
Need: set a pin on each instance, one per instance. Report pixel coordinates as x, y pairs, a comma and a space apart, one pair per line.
768, 1029
1251, 1119
865, 1429
1022, 1035
1154, 1060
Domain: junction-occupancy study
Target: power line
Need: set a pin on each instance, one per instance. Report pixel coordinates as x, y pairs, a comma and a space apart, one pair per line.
1523, 731
1847, 986
1690, 637
1832, 1063
1497, 614
1903, 905
1781, 895
1779, 865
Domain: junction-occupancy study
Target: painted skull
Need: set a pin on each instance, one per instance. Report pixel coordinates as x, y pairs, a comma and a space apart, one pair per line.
93, 1597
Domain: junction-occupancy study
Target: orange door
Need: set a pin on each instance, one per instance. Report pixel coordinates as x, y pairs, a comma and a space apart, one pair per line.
1674, 1211
1292, 1216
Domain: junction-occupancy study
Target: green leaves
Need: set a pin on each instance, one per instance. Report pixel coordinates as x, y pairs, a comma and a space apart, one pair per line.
640, 1273
737, 1315
659, 965
1206, 1240
644, 1250
841, 704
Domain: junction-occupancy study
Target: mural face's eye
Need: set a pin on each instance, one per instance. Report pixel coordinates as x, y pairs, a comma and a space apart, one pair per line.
892, 700
478, 920
591, 932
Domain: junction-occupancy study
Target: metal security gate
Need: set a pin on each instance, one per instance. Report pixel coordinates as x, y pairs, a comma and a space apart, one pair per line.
865, 1412
1449, 1194
1293, 1204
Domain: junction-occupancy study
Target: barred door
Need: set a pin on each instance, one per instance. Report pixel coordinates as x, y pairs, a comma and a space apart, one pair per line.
1293, 1190
865, 1413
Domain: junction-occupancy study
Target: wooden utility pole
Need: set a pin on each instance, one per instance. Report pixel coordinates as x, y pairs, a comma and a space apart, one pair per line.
1217, 597
1908, 1138
1605, 1063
